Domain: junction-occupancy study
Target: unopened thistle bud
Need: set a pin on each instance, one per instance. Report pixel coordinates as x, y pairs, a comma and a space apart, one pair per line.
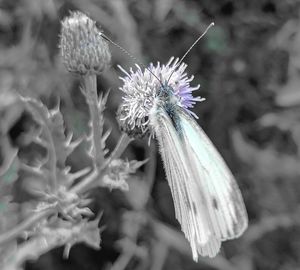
83, 49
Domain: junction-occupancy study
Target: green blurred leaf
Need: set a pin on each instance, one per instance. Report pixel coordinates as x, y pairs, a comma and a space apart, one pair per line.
12, 173
216, 40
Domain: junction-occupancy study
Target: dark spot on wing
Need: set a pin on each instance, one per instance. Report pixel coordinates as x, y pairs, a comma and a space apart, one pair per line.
194, 208
171, 110
215, 203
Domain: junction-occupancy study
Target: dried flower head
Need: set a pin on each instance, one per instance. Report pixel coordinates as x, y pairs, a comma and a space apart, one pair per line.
141, 88
83, 48
119, 171
117, 175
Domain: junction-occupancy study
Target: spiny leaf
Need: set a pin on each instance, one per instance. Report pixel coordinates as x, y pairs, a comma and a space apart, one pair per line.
62, 233
54, 122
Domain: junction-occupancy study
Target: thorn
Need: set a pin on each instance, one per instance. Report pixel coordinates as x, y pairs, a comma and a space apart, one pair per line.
90, 150
83, 91
66, 170
34, 170
67, 249
69, 138
56, 108
78, 174
40, 141
90, 154
85, 202
105, 136
90, 137
71, 147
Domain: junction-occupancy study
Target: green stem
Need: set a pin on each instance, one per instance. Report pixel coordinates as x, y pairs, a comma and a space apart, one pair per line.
151, 169
52, 159
120, 147
90, 84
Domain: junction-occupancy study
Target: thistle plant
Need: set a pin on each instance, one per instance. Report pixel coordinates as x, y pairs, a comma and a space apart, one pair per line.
58, 212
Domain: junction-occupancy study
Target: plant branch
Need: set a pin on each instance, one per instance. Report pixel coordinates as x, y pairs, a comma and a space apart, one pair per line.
151, 169
52, 159
83, 185
20, 228
124, 141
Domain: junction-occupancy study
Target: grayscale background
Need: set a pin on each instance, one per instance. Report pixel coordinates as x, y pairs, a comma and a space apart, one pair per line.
248, 66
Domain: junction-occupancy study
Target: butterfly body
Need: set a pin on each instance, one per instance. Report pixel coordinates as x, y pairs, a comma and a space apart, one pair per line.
169, 102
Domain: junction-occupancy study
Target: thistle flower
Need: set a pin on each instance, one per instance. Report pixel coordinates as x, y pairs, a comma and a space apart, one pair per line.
141, 88
82, 47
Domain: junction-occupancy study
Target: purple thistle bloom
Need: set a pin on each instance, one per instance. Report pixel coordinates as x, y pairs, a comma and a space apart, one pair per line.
141, 88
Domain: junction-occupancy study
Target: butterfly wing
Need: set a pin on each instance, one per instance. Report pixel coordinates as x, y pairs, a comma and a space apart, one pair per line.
189, 199
225, 205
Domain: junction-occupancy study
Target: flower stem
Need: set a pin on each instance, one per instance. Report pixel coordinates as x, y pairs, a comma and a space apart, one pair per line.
120, 147
90, 84
151, 169
52, 159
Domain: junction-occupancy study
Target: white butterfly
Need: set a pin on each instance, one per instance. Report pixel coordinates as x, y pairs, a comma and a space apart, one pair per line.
208, 202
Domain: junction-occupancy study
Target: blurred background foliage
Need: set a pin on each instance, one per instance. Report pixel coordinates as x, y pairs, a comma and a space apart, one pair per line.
248, 66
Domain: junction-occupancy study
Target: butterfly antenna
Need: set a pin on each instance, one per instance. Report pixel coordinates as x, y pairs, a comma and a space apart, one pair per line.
130, 55
191, 47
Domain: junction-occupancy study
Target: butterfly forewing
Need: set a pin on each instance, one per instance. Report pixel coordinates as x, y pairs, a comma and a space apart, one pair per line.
225, 206
189, 199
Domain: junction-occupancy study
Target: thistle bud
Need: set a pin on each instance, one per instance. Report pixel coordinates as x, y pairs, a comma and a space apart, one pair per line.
134, 128
83, 49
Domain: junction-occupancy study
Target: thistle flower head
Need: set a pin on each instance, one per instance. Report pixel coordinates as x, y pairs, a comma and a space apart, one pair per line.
141, 88
83, 49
